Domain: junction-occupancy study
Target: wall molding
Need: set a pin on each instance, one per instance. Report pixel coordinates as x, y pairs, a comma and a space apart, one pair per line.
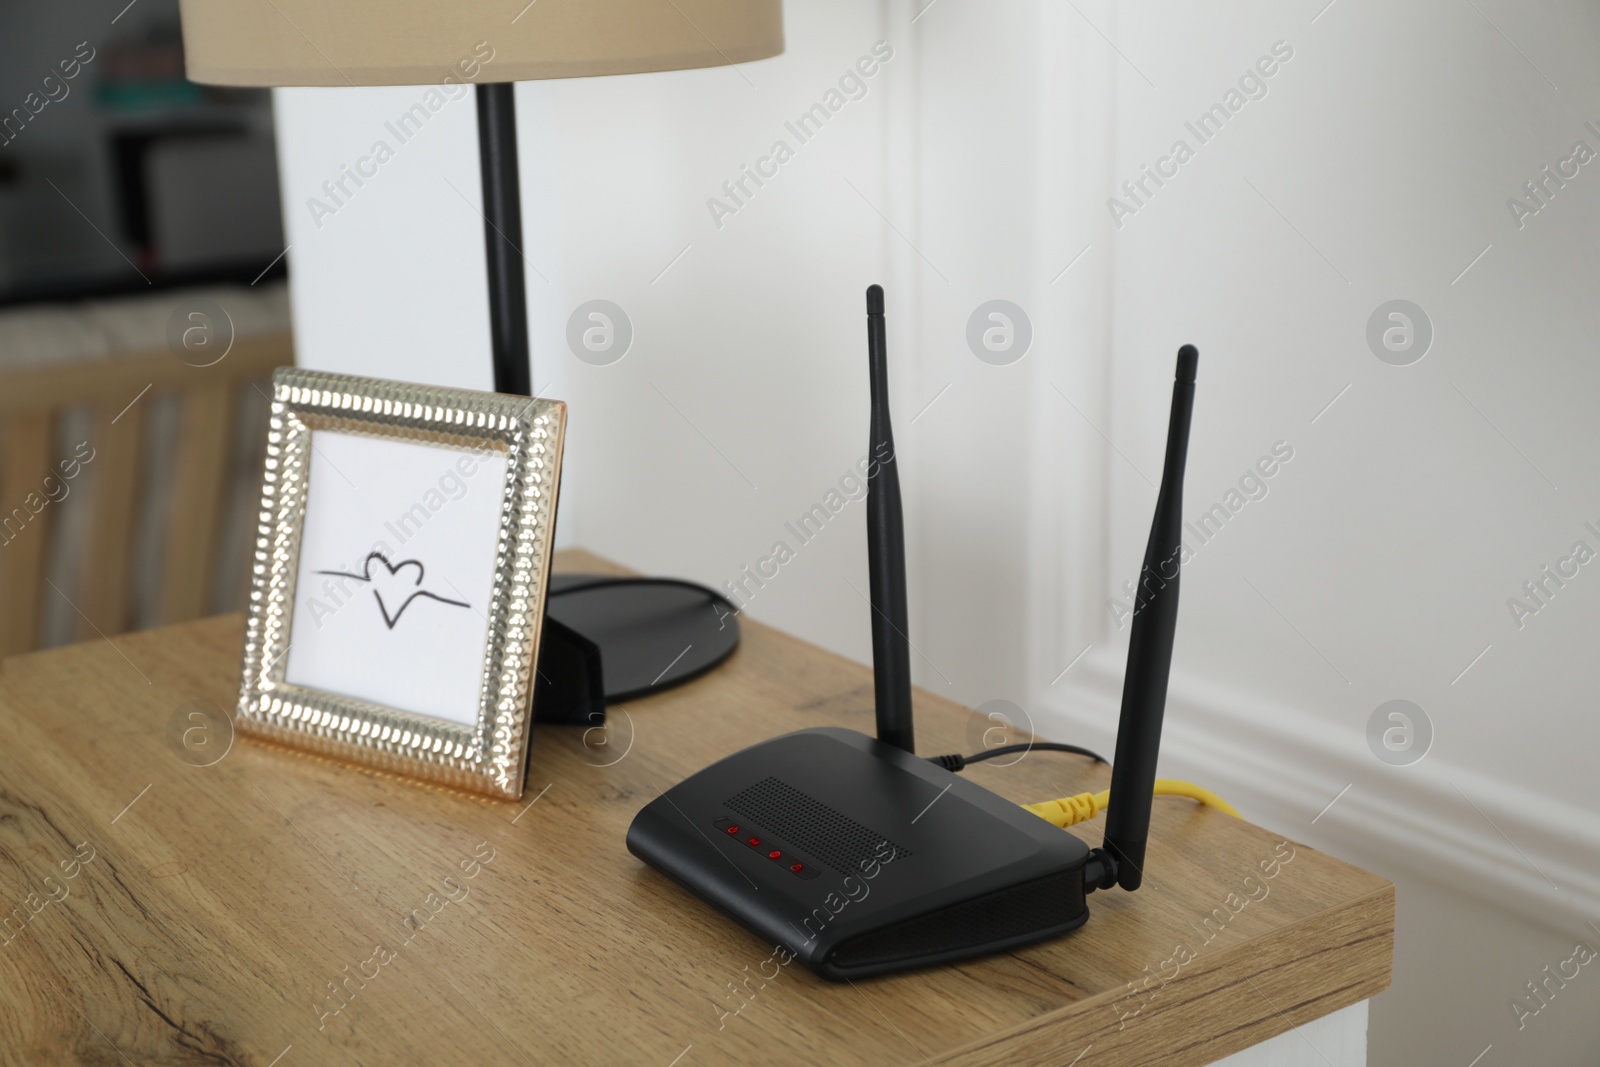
1522, 852
1281, 764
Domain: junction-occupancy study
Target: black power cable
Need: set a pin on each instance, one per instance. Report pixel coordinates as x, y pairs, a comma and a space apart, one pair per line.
957, 762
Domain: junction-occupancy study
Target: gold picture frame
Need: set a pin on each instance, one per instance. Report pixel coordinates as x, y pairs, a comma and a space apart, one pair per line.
374, 426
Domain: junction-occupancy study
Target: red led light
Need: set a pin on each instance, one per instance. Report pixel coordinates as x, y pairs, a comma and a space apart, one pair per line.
733, 829
774, 854
752, 841
797, 867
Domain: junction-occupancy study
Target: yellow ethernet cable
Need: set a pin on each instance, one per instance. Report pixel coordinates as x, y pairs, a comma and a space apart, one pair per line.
1069, 811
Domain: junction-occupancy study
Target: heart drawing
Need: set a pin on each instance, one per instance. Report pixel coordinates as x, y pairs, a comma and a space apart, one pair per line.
395, 585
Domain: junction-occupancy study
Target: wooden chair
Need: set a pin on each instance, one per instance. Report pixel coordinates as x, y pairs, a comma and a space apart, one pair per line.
119, 392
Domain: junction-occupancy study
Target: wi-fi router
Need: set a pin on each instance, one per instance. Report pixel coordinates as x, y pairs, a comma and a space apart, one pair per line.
862, 859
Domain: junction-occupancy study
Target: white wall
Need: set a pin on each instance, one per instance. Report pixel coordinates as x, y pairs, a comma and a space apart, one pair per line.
392, 282
1378, 166
977, 167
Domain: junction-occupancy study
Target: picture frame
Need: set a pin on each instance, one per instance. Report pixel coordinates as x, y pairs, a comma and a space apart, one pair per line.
400, 574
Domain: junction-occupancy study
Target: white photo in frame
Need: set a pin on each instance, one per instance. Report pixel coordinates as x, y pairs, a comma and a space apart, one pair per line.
396, 563
402, 564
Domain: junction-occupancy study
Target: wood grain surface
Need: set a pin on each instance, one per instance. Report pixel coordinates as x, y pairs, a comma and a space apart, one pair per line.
277, 908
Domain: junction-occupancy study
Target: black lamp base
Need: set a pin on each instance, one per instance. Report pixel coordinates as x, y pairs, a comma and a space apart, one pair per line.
609, 639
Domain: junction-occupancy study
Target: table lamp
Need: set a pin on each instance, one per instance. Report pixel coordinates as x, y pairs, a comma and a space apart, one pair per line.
630, 627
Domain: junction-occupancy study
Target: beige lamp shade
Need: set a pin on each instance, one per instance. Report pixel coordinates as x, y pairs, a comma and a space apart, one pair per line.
417, 42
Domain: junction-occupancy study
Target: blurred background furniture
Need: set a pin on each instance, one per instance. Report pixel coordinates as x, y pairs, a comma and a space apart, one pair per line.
155, 524
127, 193
117, 174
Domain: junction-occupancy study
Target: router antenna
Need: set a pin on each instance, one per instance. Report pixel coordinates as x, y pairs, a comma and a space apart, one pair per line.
886, 549
1155, 620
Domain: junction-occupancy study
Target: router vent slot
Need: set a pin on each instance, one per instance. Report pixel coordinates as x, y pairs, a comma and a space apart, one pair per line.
812, 826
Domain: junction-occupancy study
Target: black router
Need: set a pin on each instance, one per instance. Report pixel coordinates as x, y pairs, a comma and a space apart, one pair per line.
862, 859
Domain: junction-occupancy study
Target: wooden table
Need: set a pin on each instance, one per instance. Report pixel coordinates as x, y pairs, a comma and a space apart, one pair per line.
254, 911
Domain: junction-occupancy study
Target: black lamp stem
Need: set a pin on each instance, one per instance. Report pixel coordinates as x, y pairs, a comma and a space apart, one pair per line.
502, 236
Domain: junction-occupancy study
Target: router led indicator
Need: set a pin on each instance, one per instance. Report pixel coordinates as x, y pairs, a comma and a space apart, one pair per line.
756, 842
